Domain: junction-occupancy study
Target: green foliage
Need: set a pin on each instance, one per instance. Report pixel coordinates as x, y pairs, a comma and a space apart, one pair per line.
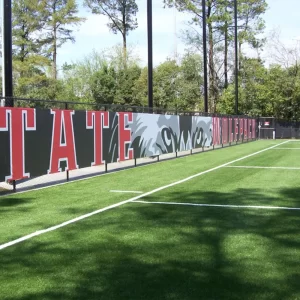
61, 16
27, 21
179, 86
273, 91
116, 76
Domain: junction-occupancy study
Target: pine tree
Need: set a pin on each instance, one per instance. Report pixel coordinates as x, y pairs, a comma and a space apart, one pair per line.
61, 16
121, 14
27, 21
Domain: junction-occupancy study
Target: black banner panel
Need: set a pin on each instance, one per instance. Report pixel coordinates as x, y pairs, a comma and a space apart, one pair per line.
35, 142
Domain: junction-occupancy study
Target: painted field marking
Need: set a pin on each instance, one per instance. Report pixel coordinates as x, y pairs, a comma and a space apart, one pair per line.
286, 149
132, 192
294, 141
261, 167
39, 232
219, 205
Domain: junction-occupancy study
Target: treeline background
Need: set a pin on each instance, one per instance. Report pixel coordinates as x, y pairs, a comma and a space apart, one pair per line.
117, 76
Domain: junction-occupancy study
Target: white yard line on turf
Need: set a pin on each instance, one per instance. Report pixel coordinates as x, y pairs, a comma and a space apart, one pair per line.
286, 149
39, 232
261, 167
132, 192
87, 177
219, 205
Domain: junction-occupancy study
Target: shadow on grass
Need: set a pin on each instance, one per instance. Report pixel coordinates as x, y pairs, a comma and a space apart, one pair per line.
12, 202
149, 251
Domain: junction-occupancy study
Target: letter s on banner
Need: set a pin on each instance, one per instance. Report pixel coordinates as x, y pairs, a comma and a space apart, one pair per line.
16, 121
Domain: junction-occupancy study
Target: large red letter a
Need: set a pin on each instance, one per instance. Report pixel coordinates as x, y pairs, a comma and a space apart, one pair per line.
62, 151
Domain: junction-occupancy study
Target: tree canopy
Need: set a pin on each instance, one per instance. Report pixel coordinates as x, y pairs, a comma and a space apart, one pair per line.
116, 75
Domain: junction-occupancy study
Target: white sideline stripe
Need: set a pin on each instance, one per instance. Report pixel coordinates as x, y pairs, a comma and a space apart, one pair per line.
133, 192
220, 205
39, 232
87, 177
259, 167
286, 149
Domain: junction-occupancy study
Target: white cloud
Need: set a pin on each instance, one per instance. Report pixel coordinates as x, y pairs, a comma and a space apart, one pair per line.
95, 25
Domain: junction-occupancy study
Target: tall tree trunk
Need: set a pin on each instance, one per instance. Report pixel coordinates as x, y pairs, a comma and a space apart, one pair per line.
124, 37
240, 56
226, 56
54, 45
124, 48
211, 65
54, 53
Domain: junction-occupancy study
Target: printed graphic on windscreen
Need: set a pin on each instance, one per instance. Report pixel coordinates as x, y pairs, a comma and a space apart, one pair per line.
35, 142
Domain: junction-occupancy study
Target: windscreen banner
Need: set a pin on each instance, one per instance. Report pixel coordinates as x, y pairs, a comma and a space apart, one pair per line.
35, 142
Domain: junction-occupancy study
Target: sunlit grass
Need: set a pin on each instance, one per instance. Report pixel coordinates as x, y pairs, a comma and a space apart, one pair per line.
152, 251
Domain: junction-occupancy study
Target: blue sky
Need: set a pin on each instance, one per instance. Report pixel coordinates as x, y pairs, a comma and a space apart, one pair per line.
94, 34
283, 15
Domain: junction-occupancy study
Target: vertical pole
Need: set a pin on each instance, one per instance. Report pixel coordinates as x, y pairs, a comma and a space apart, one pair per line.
204, 56
236, 59
14, 186
7, 78
150, 55
67, 174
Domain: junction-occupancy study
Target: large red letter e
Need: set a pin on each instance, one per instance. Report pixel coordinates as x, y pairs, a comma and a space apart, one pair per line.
124, 136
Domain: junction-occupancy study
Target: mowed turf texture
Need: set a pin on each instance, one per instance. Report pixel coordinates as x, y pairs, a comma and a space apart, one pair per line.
246, 248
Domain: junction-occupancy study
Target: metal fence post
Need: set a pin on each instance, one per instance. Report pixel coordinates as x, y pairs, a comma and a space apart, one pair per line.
14, 186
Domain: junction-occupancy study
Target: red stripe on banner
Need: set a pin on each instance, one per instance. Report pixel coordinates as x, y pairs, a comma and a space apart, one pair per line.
224, 130
245, 128
241, 127
230, 131
216, 131
253, 128
236, 129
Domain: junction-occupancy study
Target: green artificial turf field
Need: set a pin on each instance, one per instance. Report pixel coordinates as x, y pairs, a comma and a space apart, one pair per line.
206, 226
